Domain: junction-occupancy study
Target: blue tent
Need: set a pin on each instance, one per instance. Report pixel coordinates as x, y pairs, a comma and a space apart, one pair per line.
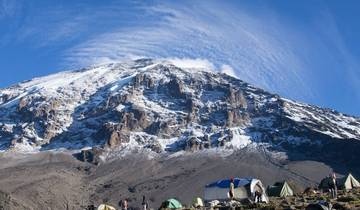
244, 188
225, 183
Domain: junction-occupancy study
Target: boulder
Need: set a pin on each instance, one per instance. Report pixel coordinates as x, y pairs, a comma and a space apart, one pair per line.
175, 89
193, 144
91, 155
117, 138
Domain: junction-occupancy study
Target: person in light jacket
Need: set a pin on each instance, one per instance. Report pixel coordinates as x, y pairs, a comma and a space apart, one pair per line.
333, 186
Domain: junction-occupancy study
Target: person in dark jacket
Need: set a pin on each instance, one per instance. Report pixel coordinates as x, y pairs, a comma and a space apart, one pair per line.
144, 203
258, 197
231, 189
124, 204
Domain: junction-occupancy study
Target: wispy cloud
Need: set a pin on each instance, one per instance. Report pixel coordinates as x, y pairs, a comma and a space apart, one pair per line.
346, 68
213, 31
293, 58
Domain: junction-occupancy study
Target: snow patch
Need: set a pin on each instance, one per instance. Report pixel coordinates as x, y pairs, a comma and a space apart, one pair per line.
239, 139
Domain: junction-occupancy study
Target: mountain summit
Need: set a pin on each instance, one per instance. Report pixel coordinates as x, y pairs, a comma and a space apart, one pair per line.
159, 107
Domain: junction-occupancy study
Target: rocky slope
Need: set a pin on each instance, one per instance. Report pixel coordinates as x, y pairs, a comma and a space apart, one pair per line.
158, 107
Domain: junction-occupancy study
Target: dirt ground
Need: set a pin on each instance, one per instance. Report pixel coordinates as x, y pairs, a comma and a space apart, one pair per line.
59, 181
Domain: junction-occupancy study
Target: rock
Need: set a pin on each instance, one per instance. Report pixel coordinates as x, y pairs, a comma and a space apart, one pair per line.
235, 117
134, 119
145, 80
117, 138
22, 104
90, 155
193, 144
206, 141
156, 147
236, 98
192, 109
342, 206
175, 88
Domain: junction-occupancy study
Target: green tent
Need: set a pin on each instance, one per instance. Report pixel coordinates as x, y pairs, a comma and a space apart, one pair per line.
171, 203
280, 189
348, 182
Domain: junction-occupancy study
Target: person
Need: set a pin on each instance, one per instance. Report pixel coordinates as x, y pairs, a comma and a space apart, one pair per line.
144, 203
231, 189
91, 207
124, 204
258, 196
333, 186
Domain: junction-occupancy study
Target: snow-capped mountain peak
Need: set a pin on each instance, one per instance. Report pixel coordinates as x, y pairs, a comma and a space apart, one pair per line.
159, 106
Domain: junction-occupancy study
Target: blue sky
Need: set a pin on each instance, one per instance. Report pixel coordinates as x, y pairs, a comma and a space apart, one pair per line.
304, 50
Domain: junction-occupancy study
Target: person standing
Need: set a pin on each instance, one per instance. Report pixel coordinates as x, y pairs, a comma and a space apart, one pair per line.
231, 189
258, 197
144, 203
333, 186
124, 204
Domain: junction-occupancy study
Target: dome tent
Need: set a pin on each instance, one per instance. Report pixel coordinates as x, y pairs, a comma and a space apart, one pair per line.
171, 203
105, 207
244, 188
280, 189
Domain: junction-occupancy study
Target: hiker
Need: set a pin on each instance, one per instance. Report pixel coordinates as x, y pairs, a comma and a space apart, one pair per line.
333, 186
91, 207
232, 188
124, 204
258, 196
144, 203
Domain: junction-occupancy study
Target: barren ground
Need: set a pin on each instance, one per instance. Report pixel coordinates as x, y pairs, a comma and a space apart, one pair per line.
57, 180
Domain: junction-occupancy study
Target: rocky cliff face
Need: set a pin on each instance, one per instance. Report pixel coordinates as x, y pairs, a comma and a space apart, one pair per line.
158, 107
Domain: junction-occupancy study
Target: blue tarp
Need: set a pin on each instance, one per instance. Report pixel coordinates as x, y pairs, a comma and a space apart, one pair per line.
225, 183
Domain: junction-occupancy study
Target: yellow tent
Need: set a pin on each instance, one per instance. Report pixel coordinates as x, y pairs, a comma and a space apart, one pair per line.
105, 207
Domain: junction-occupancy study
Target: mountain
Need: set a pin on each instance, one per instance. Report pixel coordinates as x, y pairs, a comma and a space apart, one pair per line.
158, 128
157, 107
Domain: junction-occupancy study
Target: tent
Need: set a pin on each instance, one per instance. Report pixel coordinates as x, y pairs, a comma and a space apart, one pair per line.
171, 203
348, 182
244, 189
105, 207
197, 202
280, 189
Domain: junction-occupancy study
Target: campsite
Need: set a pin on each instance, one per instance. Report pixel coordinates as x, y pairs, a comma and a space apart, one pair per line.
280, 195
180, 179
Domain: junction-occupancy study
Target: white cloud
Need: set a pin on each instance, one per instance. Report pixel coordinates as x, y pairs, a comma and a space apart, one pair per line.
192, 63
228, 70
